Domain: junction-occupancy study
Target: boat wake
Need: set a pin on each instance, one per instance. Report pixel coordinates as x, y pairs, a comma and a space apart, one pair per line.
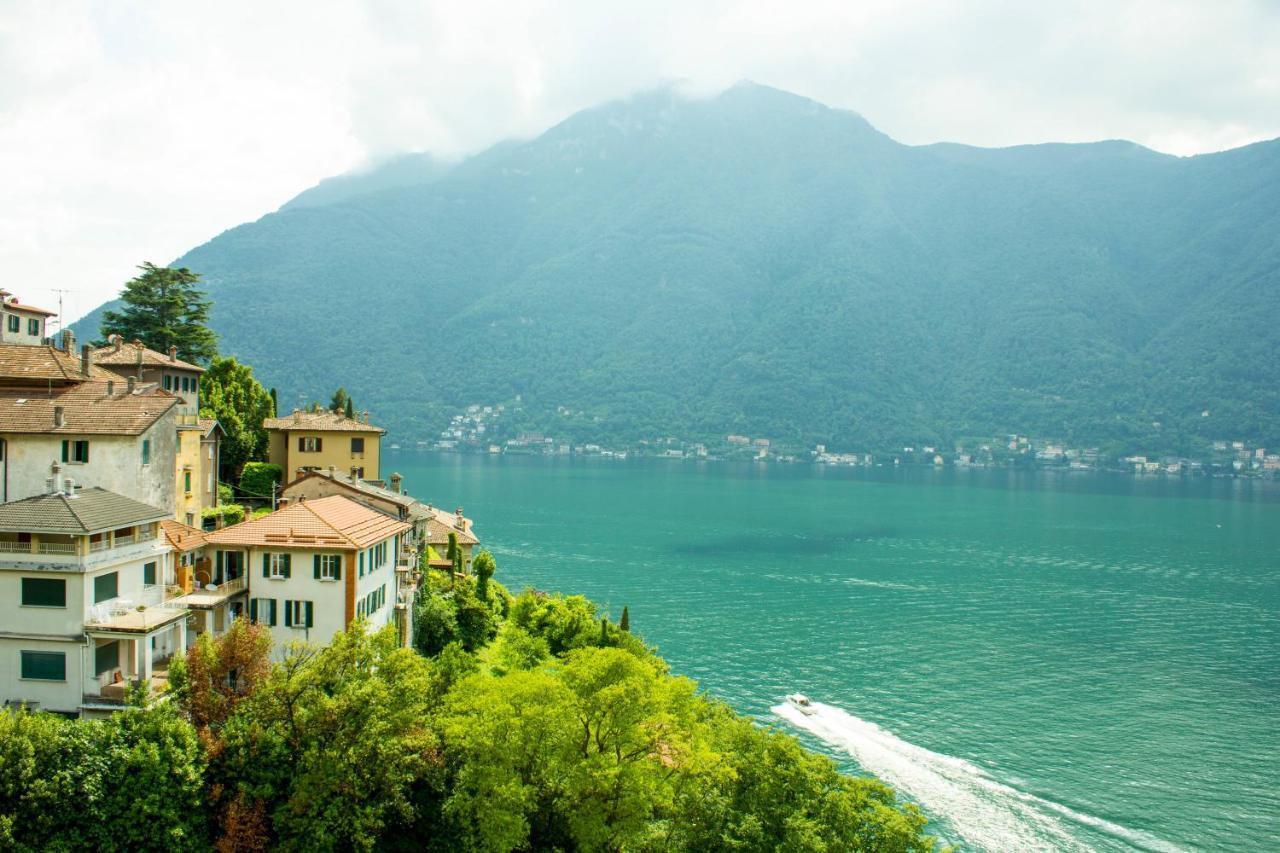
985, 813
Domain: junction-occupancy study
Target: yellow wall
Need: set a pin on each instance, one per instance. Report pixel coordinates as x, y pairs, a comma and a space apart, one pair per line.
188, 460
335, 450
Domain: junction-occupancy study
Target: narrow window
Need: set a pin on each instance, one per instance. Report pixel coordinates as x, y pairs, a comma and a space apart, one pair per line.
186, 481
168, 382
149, 574
106, 587
146, 451
44, 666
14, 323
33, 327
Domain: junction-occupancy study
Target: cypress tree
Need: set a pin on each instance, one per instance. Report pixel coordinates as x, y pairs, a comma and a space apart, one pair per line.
625, 622
604, 631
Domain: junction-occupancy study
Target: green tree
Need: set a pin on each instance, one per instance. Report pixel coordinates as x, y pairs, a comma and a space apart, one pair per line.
484, 567
349, 410
258, 479
340, 401
230, 393
625, 622
453, 553
163, 308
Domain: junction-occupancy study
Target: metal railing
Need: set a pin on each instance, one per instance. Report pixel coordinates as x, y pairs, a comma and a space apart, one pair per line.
38, 548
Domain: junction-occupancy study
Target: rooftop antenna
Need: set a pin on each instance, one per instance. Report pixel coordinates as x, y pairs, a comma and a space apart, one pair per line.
60, 292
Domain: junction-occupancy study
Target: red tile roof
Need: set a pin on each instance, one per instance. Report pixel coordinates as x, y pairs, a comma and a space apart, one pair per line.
320, 422
334, 522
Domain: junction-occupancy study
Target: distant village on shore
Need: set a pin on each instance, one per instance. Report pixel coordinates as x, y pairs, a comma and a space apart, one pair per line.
482, 429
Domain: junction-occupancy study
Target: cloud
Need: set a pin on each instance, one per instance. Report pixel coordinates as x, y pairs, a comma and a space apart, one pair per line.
132, 131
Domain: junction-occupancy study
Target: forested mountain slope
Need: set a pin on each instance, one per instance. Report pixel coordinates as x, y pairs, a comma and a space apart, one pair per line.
759, 263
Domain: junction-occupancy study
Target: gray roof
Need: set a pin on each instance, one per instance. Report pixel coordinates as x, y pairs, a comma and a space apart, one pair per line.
88, 511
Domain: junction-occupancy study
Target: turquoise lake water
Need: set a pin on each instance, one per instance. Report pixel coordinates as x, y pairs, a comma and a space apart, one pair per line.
1040, 661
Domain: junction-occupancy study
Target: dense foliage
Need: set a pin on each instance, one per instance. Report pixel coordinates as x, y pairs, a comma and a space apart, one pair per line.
533, 723
258, 479
756, 263
163, 308
230, 393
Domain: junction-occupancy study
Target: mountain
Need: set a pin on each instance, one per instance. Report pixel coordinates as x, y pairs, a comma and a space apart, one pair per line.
759, 263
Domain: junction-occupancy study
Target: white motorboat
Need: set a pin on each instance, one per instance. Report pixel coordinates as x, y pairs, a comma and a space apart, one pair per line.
801, 703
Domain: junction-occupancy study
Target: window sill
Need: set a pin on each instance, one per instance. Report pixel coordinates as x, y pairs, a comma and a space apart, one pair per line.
275, 579
328, 580
44, 680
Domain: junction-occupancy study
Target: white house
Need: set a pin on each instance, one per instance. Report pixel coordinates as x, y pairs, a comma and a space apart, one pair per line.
315, 566
85, 606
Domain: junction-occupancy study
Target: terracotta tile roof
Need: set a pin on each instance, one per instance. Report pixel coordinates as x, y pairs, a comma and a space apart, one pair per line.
333, 522
346, 482
87, 511
87, 409
182, 536
127, 356
207, 425
442, 522
18, 306
320, 422
40, 365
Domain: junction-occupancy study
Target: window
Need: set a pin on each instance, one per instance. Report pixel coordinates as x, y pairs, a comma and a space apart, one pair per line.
195, 384
106, 657
263, 611
33, 327
146, 451
209, 483
327, 567
44, 666
191, 519
357, 473
357, 446
106, 587
276, 566
360, 564
44, 592
148, 574
297, 614
168, 382
75, 451
186, 481
309, 444
15, 324
186, 383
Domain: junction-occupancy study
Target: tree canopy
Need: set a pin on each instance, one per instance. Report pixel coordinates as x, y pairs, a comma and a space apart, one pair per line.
163, 308
230, 393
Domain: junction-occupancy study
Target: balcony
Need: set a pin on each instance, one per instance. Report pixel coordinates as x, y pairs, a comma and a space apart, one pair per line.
38, 548
211, 595
139, 615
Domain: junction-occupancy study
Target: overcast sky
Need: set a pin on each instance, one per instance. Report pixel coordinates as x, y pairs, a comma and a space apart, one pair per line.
134, 131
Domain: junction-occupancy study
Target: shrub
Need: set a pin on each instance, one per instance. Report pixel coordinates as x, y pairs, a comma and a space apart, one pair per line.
259, 478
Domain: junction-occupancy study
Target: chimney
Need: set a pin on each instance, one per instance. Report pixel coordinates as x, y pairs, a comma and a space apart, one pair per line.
173, 353
396, 479
116, 341
68, 341
133, 383
111, 387
51, 482
86, 359
458, 520
69, 487
59, 417
333, 472
364, 416
138, 345
297, 416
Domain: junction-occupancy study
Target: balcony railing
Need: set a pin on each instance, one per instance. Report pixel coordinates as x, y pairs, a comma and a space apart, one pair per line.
38, 548
99, 545
126, 540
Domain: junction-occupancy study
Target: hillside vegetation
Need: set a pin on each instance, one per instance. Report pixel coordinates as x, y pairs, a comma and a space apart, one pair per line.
759, 263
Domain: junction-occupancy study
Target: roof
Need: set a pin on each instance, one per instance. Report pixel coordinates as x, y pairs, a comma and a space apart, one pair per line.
42, 365
87, 409
86, 511
183, 536
126, 355
442, 523
334, 522
356, 485
18, 306
207, 425
320, 422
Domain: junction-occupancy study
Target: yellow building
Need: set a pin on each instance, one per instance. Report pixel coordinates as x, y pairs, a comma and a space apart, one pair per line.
318, 441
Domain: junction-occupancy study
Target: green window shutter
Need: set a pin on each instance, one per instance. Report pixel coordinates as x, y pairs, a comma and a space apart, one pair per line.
106, 657
273, 612
44, 666
266, 565
149, 574
86, 450
309, 622
315, 567
360, 563
288, 614
106, 587
253, 610
44, 592
301, 444
288, 565
66, 450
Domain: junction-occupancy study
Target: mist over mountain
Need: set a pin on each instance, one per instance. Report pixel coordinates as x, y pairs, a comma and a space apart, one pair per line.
758, 263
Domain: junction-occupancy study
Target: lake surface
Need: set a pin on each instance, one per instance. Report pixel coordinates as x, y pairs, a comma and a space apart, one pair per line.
1041, 661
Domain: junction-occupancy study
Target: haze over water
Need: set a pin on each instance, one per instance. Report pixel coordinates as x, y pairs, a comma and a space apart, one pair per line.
1040, 661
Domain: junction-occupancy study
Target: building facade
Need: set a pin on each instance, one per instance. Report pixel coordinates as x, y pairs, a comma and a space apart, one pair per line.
317, 441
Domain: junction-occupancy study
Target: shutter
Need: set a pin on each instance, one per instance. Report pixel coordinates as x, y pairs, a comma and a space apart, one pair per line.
319, 444
266, 565
288, 614
66, 450
288, 564
300, 444
272, 623
315, 567
253, 610
86, 452
337, 568
306, 606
